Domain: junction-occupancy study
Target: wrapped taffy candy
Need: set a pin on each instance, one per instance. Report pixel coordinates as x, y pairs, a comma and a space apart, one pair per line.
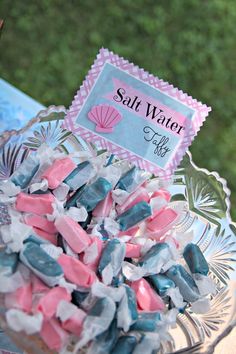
88, 255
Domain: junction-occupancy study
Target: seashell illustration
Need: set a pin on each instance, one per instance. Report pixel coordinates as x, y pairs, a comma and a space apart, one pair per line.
105, 117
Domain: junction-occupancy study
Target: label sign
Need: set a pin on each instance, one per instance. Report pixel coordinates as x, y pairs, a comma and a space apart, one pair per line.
135, 115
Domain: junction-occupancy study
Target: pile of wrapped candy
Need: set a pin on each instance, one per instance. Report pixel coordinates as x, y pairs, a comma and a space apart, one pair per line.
90, 254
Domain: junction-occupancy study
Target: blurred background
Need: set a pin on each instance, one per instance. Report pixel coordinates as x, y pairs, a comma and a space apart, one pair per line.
48, 46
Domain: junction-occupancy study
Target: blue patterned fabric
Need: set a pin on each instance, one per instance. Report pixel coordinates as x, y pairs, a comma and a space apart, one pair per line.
16, 108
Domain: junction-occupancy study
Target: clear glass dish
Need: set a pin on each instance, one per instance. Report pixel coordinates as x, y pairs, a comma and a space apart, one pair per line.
207, 213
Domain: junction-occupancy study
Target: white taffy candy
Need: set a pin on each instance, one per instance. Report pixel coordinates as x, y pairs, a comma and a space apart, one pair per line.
68, 286
10, 283
14, 234
20, 321
79, 214
42, 186
112, 173
201, 306
97, 321
61, 191
176, 297
111, 226
205, 284
9, 189
148, 343
52, 250
119, 196
65, 310
90, 253
132, 272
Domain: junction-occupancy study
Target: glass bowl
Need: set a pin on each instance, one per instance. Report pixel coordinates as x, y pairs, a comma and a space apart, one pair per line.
207, 213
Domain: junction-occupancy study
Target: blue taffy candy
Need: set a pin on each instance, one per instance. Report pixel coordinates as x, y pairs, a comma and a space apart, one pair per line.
134, 215
26, 171
78, 297
127, 312
8, 262
44, 266
36, 239
112, 256
105, 341
185, 283
151, 260
161, 283
146, 322
125, 345
94, 193
127, 179
79, 176
195, 259
71, 202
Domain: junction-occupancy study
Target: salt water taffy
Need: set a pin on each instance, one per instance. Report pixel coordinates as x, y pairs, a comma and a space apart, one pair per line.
25, 172
41, 264
147, 298
111, 260
40, 204
184, 282
20, 321
71, 317
138, 196
52, 238
195, 259
78, 297
162, 220
54, 335
48, 303
40, 222
154, 260
20, 299
76, 272
134, 215
104, 207
92, 194
58, 171
146, 322
80, 175
93, 252
133, 250
97, 321
132, 179
8, 262
105, 342
161, 283
127, 312
125, 345
73, 233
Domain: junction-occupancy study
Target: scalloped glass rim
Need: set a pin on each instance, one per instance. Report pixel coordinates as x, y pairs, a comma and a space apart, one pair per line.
208, 212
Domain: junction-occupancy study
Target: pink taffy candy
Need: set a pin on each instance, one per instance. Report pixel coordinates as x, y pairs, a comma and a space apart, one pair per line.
73, 233
131, 232
58, 171
54, 335
41, 223
75, 323
76, 272
40, 204
147, 298
163, 193
38, 287
132, 250
49, 302
46, 236
104, 207
162, 220
20, 299
94, 251
138, 196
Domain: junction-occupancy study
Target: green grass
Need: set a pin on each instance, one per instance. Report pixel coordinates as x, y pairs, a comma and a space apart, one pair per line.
48, 46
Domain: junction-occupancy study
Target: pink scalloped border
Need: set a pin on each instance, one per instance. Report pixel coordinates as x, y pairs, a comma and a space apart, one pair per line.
104, 55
